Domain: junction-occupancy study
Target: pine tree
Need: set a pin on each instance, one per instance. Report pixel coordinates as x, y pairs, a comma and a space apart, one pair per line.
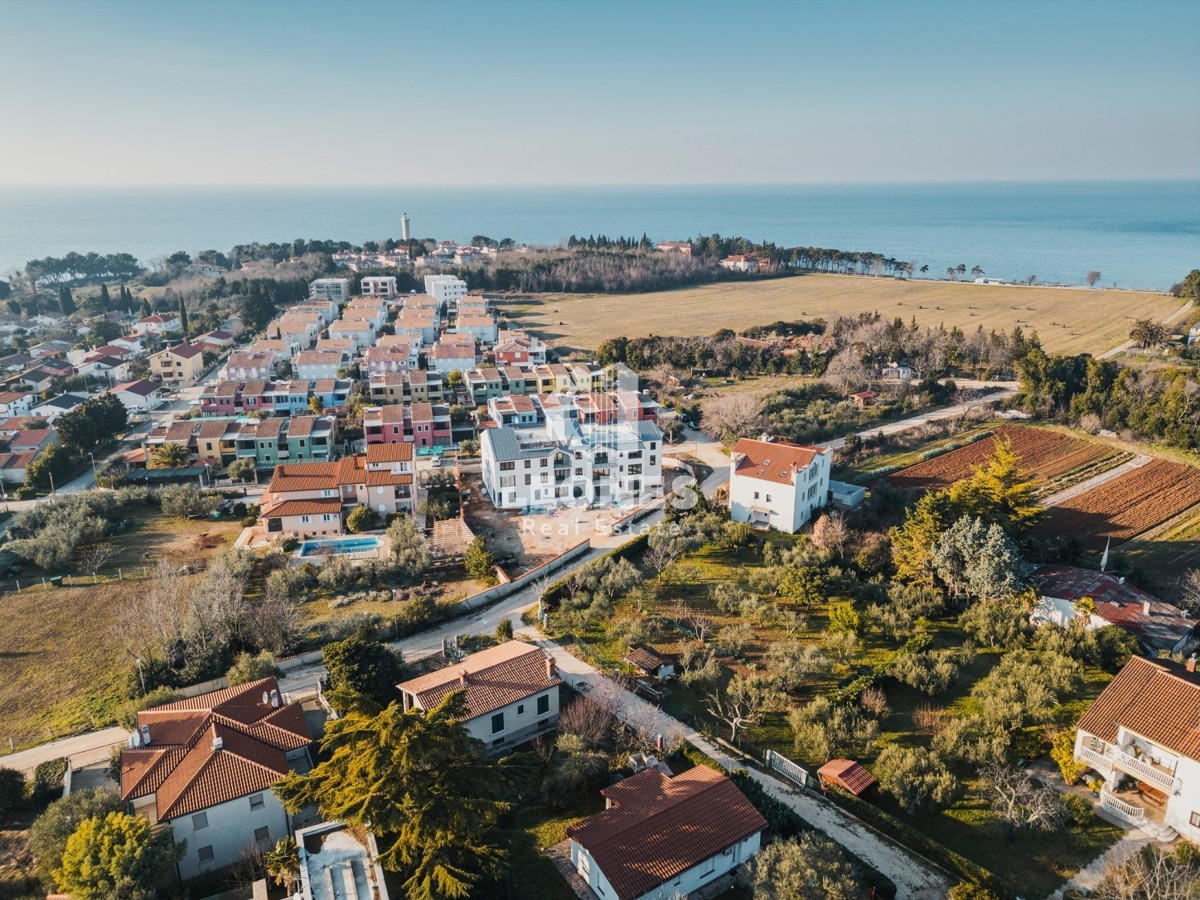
912, 542
1000, 492
423, 785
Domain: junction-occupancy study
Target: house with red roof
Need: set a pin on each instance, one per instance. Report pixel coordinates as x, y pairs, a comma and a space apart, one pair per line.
511, 693
663, 836
776, 484
1066, 593
205, 767
1142, 736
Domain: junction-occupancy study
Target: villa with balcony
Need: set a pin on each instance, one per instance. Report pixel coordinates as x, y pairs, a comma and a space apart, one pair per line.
1142, 737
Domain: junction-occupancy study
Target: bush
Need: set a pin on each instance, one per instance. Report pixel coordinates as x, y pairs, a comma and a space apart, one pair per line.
362, 518
251, 667
917, 778
186, 501
1079, 810
1062, 751
47, 781
12, 791
480, 563
504, 630
49, 833
365, 668
127, 716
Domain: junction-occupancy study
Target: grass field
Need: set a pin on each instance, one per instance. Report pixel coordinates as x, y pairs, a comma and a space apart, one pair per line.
63, 667
1066, 319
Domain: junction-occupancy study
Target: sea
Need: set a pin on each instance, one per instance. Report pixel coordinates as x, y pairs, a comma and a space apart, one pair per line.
1136, 234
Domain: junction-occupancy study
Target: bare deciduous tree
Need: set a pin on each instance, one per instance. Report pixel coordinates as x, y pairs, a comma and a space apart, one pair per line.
831, 534
1150, 872
742, 704
1020, 801
733, 415
847, 372
591, 718
95, 557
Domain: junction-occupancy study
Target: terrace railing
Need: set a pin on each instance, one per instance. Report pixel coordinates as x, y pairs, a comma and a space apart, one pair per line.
1143, 770
1127, 812
1101, 762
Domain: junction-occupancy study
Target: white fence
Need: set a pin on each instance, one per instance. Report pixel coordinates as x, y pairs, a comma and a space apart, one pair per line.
789, 769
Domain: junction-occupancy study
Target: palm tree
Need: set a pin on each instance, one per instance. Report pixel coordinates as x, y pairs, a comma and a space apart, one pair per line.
951, 274
924, 268
283, 863
170, 456
976, 270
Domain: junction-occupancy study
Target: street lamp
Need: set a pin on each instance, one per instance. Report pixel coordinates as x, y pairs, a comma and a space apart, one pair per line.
92, 456
141, 675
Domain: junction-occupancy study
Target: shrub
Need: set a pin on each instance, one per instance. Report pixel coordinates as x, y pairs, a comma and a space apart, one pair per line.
917, 778
362, 518
251, 667
127, 716
504, 630
480, 563
1079, 809
47, 781
12, 791
185, 501
49, 832
365, 668
1062, 751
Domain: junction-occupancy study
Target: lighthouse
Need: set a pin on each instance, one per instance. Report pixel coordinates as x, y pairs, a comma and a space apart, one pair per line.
404, 228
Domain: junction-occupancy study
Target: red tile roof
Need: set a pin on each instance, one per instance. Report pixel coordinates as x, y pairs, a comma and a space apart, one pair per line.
185, 350
312, 507
389, 453
772, 461
1153, 698
188, 770
658, 827
495, 677
848, 774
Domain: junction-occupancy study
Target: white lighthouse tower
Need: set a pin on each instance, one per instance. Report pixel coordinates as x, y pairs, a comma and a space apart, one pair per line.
404, 227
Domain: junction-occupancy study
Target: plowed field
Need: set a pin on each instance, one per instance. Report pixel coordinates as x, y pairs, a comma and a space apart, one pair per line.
1046, 454
1125, 506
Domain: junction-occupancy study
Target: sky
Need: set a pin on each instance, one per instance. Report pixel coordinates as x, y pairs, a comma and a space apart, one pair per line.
572, 93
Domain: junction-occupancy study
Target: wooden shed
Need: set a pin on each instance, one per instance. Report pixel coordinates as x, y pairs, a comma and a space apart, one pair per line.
847, 774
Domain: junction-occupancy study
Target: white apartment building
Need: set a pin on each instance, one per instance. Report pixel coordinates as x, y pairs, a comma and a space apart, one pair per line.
446, 289
569, 461
774, 484
335, 289
1140, 735
511, 693
379, 286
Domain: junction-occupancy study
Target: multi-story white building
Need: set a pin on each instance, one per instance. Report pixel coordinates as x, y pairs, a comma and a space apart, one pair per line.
379, 286
1141, 736
335, 289
205, 767
774, 484
511, 693
446, 289
590, 449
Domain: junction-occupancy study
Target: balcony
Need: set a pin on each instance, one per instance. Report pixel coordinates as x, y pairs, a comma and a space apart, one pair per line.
1101, 762
1145, 771
1126, 812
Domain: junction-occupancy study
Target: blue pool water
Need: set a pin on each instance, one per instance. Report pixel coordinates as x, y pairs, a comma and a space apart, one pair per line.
340, 545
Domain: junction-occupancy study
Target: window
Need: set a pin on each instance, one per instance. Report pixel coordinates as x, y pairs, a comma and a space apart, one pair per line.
528, 479
205, 854
520, 709
497, 723
768, 498
527, 463
1194, 820
756, 495
262, 835
507, 466
708, 866
199, 820
543, 704
543, 463
257, 801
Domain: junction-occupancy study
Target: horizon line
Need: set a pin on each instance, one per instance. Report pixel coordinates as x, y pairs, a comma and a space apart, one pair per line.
290, 185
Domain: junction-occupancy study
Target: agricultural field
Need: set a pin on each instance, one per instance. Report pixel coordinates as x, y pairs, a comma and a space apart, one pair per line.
1125, 506
1068, 320
1161, 556
1059, 459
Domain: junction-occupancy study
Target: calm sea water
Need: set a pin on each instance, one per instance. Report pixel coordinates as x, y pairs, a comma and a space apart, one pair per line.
1143, 234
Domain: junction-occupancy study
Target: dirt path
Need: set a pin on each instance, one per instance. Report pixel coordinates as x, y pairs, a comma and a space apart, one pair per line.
1084, 486
1169, 320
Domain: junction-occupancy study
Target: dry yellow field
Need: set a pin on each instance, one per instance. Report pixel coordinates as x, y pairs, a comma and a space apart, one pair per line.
1068, 320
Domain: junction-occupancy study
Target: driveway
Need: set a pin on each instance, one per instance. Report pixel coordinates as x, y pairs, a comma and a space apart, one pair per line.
935, 415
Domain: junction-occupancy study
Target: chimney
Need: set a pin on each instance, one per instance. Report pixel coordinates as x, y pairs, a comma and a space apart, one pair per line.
1191, 663
145, 732
218, 743
275, 699
551, 668
1146, 608
462, 678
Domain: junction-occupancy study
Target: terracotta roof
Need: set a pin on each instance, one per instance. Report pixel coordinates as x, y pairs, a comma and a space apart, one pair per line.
772, 461
301, 426
314, 507
388, 453
212, 428
313, 476
657, 827
17, 460
848, 774
387, 415
30, 437
495, 677
646, 658
185, 350
1153, 698
318, 358
188, 770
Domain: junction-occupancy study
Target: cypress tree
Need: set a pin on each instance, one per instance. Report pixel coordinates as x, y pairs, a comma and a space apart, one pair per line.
105, 300
65, 301
145, 307
183, 319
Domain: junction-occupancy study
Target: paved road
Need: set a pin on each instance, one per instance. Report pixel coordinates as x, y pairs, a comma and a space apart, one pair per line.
1169, 320
83, 749
936, 415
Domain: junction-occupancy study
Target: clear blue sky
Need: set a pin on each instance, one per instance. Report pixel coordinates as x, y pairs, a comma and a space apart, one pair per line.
567, 92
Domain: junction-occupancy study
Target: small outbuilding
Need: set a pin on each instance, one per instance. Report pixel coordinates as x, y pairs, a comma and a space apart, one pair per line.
847, 774
650, 662
864, 399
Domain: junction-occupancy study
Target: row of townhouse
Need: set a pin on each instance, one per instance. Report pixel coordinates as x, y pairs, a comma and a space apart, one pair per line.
312, 499
410, 387
422, 424
555, 378
234, 398
580, 448
269, 442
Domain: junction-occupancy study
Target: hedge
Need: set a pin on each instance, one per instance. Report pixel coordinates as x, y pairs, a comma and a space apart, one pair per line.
47, 781
921, 843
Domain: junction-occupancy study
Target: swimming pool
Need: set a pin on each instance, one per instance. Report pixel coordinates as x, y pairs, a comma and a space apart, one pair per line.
358, 546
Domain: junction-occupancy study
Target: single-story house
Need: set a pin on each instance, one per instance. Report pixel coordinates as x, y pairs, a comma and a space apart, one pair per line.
650, 663
137, 396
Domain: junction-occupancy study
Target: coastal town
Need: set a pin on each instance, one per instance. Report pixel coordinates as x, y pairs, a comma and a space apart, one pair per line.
421, 509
